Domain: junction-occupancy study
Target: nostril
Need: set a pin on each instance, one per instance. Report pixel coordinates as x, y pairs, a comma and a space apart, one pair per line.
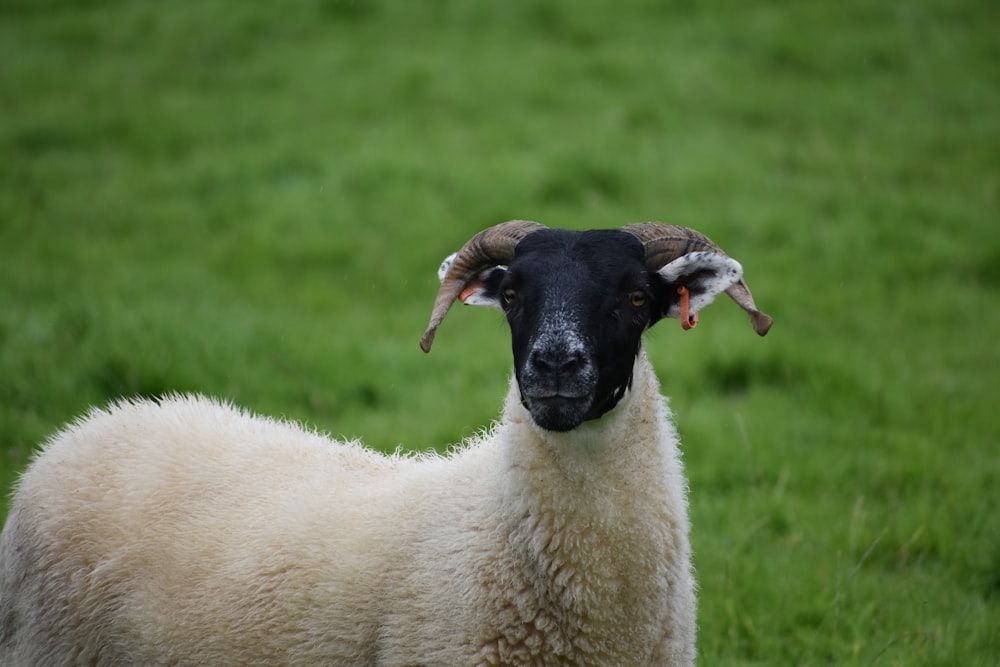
541, 361
572, 363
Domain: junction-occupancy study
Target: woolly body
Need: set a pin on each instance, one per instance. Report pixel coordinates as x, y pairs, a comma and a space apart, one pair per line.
189, 532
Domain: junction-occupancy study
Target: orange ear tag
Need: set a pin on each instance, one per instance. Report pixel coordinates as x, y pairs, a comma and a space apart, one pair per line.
688, 321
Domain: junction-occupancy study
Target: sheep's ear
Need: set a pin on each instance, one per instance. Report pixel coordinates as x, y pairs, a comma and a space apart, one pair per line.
694, 280
483, 290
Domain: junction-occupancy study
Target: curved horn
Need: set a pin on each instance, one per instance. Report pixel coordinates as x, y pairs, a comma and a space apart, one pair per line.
664, 243
490, 247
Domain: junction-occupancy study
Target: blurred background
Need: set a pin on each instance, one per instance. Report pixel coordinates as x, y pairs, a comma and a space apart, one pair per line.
251, 200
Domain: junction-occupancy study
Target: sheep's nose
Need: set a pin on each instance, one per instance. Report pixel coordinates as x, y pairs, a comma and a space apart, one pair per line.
556, 361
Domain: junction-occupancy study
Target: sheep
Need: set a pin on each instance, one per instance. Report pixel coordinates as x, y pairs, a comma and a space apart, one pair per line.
186, 531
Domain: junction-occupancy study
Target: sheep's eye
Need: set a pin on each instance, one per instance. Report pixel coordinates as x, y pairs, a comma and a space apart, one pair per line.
637, 299
509, 295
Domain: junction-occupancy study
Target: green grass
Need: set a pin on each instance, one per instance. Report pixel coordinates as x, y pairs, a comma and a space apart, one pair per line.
250, 200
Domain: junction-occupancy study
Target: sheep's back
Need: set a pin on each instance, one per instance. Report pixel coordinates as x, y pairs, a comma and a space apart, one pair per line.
188, 522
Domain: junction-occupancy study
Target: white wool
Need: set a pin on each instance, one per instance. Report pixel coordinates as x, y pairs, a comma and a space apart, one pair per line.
186, 532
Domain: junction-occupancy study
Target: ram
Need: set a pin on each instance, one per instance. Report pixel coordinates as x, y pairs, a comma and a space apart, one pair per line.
184, 531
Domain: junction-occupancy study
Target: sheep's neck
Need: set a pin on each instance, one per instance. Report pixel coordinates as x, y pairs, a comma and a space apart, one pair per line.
589, 507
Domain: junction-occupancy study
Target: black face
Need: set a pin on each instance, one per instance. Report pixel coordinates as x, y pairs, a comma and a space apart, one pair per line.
577, 304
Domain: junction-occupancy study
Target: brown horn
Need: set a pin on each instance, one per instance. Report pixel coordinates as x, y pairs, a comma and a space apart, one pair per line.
491, 247
740, 293
664, 243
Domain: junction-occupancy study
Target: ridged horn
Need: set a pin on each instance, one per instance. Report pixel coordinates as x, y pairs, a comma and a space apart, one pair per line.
664, 243
491, 247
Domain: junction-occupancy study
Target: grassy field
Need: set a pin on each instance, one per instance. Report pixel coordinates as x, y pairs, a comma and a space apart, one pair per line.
250, 200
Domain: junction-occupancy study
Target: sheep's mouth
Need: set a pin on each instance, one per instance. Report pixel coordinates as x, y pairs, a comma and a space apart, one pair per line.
558, 412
